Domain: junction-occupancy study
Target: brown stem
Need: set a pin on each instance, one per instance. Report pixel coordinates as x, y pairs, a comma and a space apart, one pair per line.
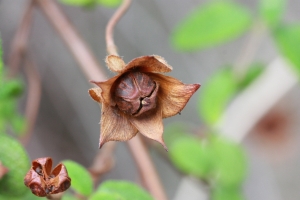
110, 44
103, 161
19, 43
33, 98
73, 40
146, 167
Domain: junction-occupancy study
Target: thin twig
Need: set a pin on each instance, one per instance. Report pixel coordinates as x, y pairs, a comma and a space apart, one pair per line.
19, 43
73, 40
103, 161
33, 98
146, 167
109, 35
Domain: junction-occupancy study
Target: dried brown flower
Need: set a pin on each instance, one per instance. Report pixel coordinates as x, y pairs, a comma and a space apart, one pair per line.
138, 98
42, 181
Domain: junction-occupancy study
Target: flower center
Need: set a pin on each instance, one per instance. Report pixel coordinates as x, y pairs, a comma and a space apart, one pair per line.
135, 93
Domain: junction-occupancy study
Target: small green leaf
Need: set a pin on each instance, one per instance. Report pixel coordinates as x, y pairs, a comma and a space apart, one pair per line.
77, 2
106, 196
271, 11
109, 3
127, 190
1, 59
14, 157
81, 180
210, 25
229, 162
19, 124
216, 93
175, 131
7, 109
288, 42
11, 89
227, 194
252, 73
191, 156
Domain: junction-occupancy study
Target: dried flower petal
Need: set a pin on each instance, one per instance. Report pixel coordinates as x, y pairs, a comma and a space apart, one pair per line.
150, 125
42, 181
154, 64
115, 63
115, 126
173, 95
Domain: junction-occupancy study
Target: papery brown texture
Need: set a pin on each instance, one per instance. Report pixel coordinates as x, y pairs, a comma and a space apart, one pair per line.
138, 98
43, 181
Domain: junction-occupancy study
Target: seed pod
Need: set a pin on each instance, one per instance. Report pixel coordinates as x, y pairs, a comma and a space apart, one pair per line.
135, 93
42, 181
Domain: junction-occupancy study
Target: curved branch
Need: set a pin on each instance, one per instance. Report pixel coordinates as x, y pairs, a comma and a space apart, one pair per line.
110, 44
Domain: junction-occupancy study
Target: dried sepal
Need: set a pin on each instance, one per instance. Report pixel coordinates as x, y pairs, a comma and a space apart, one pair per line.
42, 181
173, 95
115, 63
115, 126
95, 94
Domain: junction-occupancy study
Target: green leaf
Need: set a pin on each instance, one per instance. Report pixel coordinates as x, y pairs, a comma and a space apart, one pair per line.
227, 194
271, 11
109, 3
1, 59
19, 124
106, 196
216, 93
211, 24
252, 73
81, 180
191, 156
14, 157
288, 41
7, 109
11, 89
229, 162
127, 190
175, 131
83, 3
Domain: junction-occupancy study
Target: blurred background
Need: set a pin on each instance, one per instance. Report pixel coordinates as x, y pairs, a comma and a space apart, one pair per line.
67, 122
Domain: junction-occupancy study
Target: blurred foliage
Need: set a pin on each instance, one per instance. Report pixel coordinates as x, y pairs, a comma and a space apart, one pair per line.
211, 24
14, 157
216, 93
214, 159
80, 178
271, 11
120, 190
288, 41
92, 3
10, 90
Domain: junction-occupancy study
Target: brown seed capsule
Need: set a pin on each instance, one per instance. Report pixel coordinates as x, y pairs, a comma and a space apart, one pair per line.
135, 93
42, 181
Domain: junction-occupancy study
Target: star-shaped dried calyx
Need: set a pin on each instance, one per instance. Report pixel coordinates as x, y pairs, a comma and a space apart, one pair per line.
138, 98
42, 181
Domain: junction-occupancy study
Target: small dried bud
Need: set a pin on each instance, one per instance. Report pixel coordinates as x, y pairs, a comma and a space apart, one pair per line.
135, 93
42, 181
